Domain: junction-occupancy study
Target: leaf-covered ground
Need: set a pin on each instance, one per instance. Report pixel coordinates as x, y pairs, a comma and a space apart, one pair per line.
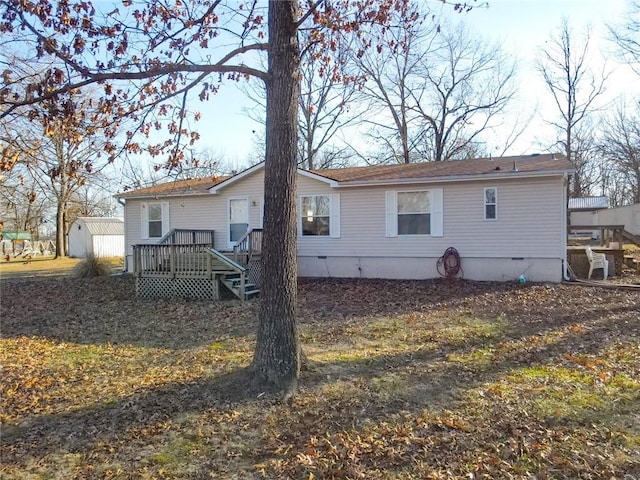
406, 380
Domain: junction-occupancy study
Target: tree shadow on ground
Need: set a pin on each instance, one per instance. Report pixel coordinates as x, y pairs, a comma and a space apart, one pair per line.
77, 430
105, 309
432, 382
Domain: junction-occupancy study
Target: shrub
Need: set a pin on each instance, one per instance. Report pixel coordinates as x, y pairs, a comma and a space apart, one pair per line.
92, 266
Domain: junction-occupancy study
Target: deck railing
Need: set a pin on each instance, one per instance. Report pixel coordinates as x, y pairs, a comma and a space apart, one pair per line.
181, 236
249, 246
173, 261
608, 233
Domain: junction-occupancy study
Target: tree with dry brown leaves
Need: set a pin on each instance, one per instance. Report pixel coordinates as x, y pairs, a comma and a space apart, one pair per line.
149, 56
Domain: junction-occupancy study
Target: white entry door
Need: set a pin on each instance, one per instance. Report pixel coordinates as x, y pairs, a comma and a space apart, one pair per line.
238, 219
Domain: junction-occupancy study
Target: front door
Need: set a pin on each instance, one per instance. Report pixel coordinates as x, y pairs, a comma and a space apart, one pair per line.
238, 219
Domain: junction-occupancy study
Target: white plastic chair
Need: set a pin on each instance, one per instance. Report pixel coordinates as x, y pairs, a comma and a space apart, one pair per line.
597, 260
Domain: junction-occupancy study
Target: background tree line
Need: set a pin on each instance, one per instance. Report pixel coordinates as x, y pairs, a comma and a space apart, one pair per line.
430, 95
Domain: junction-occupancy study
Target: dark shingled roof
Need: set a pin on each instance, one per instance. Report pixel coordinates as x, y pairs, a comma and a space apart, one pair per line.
537, 163
525, 163
177, 187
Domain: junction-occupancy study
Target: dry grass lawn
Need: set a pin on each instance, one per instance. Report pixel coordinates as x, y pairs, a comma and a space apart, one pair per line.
45, 266
406, 380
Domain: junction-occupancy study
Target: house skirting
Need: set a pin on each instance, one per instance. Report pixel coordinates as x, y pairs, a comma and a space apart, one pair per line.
484, 269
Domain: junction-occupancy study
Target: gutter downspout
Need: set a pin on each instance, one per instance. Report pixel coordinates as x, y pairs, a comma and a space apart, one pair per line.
565, 209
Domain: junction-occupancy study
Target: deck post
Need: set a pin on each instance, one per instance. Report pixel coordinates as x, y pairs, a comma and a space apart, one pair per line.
215, 286
172, 260
242, 285
137, 267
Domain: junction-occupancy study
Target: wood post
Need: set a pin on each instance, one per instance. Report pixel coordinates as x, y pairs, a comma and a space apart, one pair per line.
172, 260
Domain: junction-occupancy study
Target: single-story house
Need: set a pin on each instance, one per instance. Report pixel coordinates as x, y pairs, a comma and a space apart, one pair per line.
101, 237
505, 216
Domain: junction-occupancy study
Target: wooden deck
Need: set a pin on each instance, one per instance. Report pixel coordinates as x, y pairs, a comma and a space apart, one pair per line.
194, 269
608, 233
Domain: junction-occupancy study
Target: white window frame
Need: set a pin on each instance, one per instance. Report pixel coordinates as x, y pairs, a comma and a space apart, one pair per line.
334, 215
164, 219
486, 204
435, 211
428, 212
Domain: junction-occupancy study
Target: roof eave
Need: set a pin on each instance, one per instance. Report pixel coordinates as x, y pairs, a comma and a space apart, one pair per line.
454, 178
159, 195
306, 173
234, 178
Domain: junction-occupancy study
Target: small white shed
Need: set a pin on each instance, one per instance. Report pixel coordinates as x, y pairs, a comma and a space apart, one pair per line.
102, 237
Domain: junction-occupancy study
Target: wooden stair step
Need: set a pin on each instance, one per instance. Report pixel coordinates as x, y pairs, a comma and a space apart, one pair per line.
233, 282
252, 294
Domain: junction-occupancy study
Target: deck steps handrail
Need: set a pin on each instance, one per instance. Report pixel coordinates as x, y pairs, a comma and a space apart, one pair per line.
635, 239
250, 244
239, 287
226, 260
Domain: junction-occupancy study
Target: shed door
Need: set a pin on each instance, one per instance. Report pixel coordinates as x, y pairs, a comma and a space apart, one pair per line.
238, 219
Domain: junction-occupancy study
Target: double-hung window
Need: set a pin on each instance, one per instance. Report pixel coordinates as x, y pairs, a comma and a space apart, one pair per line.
155, 220
414, 212
316, 215
320, 215
491, 203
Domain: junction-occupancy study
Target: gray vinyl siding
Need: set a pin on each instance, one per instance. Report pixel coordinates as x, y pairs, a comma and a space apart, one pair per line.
251, 187
194, 212
529, 223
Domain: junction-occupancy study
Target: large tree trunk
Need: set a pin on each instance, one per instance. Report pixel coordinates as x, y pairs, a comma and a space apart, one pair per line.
277, 356
60, 251
61, 197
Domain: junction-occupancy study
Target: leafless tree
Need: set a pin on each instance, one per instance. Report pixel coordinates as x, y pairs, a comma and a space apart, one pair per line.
58, 157
325, 107
21, 207
441, 89
620, 146
467, 83
575, 87
391, 74
627, 36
